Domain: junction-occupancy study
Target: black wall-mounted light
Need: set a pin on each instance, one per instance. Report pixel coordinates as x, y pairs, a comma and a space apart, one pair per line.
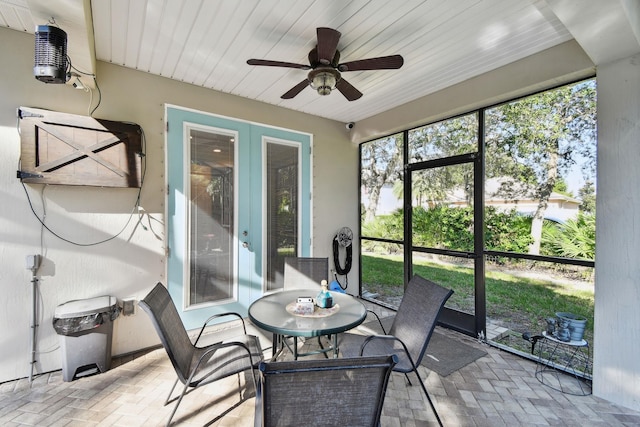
50, 65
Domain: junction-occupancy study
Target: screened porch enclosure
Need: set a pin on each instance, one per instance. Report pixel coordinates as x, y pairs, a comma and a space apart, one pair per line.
500, 208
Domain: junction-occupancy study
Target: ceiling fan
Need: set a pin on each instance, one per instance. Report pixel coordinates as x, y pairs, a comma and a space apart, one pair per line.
326, 69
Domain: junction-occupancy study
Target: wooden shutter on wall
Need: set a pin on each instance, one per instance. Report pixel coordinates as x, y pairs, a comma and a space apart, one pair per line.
60, 148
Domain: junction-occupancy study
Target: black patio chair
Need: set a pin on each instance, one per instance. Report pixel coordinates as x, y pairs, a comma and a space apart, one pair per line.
304, 273
196, 366
410, 331
323, 392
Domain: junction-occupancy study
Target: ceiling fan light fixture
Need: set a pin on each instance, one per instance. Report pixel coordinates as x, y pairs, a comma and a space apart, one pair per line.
323, 81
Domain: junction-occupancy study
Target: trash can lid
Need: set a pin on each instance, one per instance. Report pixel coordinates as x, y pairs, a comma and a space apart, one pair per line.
83, 307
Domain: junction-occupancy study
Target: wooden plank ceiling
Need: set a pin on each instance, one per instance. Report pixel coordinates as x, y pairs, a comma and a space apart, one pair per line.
207, 43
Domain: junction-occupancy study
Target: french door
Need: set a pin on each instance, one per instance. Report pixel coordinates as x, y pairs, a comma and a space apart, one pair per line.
238, 202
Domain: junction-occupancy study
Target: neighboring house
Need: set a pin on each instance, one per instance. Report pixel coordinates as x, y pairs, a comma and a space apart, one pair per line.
560, 208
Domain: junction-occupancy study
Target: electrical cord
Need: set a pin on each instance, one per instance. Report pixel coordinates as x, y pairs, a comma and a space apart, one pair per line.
135, 206
99, 97
45, 226
95, 80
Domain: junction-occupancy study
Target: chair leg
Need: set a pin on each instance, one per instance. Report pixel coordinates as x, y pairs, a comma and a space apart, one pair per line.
175, 408
433, 408
255, 380
407, 377
168, 399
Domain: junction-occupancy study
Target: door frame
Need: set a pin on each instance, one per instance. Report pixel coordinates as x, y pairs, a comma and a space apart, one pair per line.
255, 132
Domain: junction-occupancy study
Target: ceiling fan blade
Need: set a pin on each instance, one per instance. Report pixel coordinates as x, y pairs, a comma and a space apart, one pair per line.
269, 63
349, 92
296, 89
327, 44
392, 62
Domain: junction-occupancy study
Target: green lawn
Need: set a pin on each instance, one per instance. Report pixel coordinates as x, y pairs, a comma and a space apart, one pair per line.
519, 303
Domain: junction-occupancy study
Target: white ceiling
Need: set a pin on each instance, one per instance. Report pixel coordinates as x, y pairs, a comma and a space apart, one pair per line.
207, 42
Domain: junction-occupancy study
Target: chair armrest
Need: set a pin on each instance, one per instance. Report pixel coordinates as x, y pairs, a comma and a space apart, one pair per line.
212, 349
387, 338
379, 337
384, 332
216, 316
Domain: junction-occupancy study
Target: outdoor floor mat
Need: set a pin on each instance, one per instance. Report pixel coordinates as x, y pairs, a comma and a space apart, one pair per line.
444, 354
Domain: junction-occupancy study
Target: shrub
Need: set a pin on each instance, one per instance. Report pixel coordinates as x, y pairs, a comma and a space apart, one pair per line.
576, 238
451, 228
506, 231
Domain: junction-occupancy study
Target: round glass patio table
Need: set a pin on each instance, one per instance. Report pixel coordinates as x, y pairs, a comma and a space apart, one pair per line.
270, 313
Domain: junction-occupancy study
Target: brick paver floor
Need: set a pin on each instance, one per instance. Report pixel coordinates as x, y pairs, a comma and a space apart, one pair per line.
499, 389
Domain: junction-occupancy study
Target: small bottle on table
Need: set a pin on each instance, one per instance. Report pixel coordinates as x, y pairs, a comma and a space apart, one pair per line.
324, 298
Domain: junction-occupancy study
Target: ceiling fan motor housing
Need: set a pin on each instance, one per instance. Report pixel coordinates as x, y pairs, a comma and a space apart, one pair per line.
314, 61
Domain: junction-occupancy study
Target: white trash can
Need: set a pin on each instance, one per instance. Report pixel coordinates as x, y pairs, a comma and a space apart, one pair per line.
85, 328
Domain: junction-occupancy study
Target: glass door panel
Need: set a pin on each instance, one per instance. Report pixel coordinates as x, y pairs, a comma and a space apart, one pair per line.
282, 176
211, 206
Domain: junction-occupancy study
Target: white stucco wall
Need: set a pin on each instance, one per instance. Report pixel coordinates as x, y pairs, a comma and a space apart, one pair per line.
131, 264
616, 373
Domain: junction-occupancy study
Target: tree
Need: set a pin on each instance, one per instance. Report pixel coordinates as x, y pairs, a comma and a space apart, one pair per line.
588, 196
443, 139
381, 162
535, 142
561, 187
